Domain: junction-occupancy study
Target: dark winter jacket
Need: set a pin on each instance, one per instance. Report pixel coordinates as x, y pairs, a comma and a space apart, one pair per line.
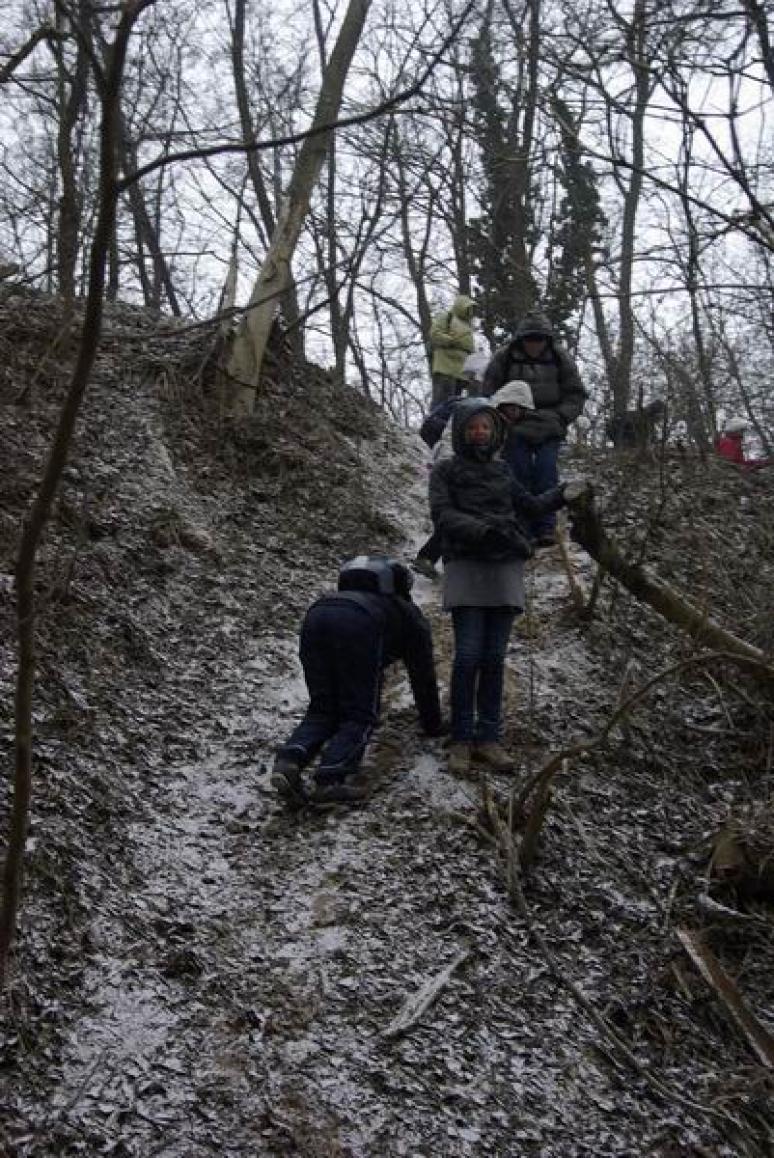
406, 636
556, 386
476, 503
431, 430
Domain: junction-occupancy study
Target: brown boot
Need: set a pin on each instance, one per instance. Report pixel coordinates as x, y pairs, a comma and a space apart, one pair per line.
459, 758
494, 756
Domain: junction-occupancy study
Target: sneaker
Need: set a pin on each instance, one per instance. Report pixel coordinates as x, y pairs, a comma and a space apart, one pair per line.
494, 756
286, 778
459, 758
349, 791
425, 567
546, 539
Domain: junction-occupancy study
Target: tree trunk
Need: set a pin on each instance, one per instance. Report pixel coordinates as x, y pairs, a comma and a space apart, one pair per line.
415, 262
636, 51
147, 236
244, 365
290, 307
72, 103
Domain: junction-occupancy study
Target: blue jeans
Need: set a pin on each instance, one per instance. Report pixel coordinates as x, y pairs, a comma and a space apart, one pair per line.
537, 469
480, 642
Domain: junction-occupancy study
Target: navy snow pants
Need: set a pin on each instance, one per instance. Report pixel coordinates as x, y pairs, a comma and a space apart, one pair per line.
341, 652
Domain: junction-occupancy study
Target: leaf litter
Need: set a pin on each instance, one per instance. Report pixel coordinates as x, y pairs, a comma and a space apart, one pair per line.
200, 972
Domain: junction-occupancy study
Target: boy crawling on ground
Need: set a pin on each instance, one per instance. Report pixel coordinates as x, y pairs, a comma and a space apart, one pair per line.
348, 638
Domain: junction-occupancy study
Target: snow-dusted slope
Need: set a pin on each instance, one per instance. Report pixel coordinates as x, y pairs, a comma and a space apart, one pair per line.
232, 968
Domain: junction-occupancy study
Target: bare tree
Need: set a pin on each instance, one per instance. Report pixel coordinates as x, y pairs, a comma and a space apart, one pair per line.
290, 309
70, 52
244, 365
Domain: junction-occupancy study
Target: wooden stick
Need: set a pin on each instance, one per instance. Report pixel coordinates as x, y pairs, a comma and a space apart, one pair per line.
758, 1037
420, 1002
576, 591
534, 826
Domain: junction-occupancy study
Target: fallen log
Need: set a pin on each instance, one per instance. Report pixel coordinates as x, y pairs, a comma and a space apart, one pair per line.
758, 1036
589, 532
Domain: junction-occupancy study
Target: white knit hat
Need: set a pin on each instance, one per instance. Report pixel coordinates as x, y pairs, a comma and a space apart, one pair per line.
735, 425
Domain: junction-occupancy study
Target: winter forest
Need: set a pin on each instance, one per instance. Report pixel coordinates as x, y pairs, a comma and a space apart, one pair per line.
226, 229
612, 161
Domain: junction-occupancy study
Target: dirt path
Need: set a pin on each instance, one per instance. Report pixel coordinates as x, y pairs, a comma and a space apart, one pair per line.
251, 963
243, 964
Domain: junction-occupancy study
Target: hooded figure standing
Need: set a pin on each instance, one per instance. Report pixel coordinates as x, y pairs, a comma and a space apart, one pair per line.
476, 504
451, 341
532, 451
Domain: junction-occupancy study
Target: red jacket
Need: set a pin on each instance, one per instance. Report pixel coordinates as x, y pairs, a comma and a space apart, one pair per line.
729, 446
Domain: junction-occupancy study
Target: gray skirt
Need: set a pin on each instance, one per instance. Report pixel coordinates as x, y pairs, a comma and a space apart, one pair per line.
475, 583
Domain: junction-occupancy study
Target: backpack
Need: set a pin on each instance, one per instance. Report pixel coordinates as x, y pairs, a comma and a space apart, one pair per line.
435, 423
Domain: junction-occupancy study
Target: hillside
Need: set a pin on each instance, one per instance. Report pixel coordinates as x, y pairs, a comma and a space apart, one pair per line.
200, 973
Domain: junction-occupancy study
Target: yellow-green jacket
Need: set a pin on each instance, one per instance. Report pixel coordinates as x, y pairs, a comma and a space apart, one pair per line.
451, 338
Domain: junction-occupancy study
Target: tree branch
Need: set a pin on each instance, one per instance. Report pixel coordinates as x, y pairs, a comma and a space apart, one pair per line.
295, 138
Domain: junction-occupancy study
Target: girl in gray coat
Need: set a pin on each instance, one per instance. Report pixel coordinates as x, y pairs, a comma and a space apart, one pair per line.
477, 507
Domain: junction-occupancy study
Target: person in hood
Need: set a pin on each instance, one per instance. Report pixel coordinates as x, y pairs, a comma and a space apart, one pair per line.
348, 637
478, 508
532, 452
514, 402
451, 341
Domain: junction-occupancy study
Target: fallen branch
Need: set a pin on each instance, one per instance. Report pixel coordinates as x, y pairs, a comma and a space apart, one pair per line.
576, 591
414, 1007
540, 780
501, 837
509, 861
587, 529
758, 1037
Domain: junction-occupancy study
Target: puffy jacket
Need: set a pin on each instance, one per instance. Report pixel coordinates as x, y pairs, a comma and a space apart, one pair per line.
556, 386
475, 502
451, 338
